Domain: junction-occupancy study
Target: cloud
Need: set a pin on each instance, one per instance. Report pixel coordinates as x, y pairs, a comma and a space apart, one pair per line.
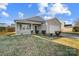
3, 6
41, 7
50, 10
43, 4
20, 14
5, 14
60, 9
47, 17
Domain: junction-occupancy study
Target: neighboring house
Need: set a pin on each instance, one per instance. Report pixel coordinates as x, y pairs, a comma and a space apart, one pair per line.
12, 25
11, 28
3, 27
34, 24
7, 28
67, 28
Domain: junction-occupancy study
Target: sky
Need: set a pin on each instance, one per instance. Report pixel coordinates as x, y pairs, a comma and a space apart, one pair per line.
67, 12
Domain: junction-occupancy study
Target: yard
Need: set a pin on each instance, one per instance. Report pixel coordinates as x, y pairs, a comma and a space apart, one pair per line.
26, 45
72, 32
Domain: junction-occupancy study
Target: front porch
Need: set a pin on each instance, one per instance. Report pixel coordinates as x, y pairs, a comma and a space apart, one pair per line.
28, 28
36, 28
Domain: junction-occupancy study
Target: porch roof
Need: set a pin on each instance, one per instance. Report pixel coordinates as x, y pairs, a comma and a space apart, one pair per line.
32, 20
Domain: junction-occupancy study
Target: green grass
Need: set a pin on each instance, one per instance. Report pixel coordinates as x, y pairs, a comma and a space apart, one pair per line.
72, 32
32, 46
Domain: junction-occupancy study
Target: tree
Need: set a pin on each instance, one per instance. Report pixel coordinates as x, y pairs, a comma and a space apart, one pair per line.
76, 26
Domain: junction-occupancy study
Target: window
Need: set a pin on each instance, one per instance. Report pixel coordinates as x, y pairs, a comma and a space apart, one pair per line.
28, 27
23, 28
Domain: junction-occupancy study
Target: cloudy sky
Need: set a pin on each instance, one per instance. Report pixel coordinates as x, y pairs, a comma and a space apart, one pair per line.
67, 12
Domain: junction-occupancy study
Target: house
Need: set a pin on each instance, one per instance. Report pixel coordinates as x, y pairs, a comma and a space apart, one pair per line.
53, 25
7, 28
12, 25
3, 27
37, 24
11, 28
67, 28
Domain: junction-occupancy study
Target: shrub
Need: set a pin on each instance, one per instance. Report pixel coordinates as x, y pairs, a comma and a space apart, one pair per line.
43, 32
37, 31
57, 33
51, 34
32, 32
75, 29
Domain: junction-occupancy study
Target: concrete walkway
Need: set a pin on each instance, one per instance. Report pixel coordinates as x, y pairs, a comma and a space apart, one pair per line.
40, 37
70, 35
63, 41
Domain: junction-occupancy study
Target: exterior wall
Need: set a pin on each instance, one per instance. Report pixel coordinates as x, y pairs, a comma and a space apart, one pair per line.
26, 28
33, 28
53, 25
43, 26
50, 26
62, 26
67, 29
3, 29
22, 29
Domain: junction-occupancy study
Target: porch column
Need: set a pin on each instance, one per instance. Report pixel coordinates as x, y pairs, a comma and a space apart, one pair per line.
31, 27
16, 27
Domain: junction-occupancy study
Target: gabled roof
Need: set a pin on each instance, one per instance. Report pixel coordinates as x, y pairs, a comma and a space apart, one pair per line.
55, 19
35, 18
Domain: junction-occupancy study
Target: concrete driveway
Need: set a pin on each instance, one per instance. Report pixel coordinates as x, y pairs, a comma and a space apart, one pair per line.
69, 35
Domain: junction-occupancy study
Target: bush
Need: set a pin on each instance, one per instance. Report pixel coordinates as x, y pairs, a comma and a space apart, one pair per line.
51, 34
37, 32
32, 32
75, 29
57, 33
43, 32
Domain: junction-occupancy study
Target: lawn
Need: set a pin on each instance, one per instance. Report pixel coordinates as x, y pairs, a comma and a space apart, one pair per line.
25, 45
7, 33
72, 32
74, 43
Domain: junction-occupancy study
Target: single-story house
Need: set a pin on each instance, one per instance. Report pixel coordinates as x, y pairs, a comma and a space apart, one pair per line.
7, 28
37, 23
67, 28
3, 27
11, 28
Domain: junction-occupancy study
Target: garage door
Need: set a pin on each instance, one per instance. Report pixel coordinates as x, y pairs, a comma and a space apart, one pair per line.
53, 28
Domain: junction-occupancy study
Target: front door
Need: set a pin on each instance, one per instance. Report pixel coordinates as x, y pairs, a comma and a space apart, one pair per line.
35, 29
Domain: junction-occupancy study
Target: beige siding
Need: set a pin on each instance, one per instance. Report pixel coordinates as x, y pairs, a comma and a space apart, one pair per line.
23, 29
50, 26
53, 25
67, 29
43, 26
